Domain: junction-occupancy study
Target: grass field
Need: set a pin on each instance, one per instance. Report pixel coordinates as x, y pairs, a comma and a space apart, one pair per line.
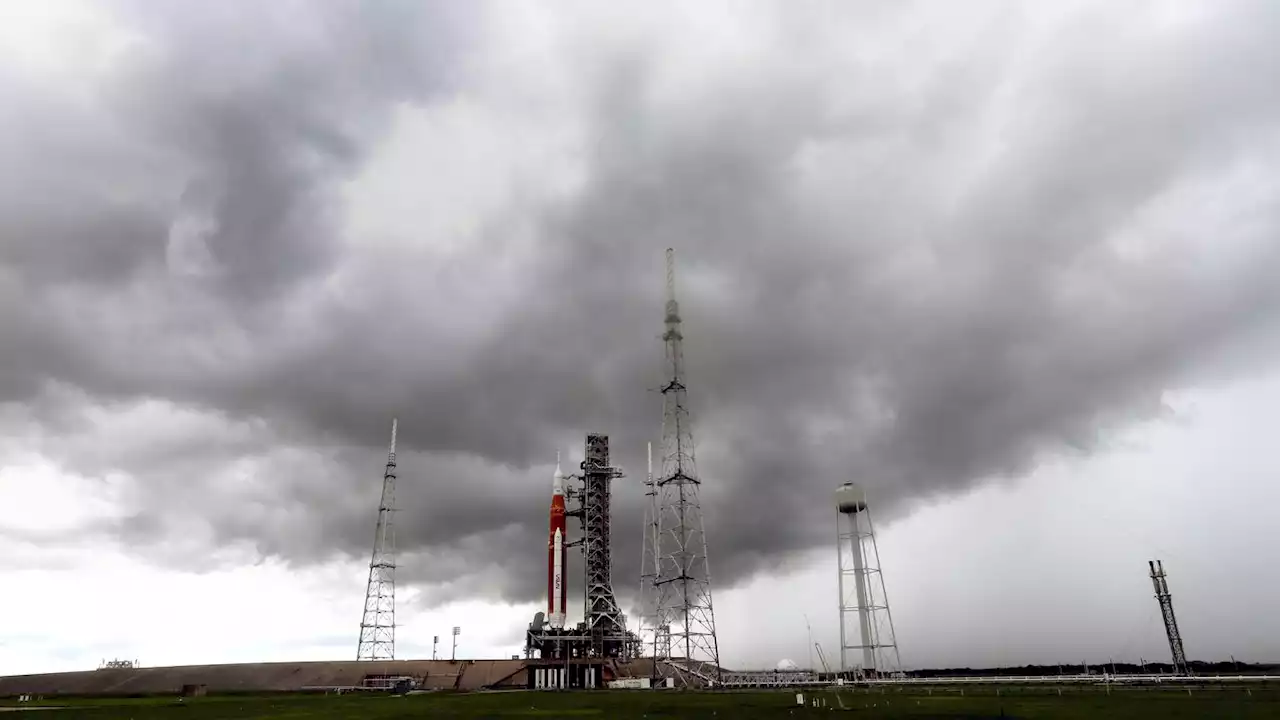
1220, 704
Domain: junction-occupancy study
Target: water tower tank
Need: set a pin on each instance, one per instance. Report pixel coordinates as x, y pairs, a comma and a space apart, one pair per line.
850, 498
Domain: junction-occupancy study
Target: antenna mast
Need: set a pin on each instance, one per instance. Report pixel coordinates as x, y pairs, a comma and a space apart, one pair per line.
378, 626
684, 616
649, 560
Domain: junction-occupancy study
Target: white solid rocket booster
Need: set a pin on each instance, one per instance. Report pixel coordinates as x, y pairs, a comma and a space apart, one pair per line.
557, 582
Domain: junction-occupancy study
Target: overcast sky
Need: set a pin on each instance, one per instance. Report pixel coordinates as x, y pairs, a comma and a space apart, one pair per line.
1011, 267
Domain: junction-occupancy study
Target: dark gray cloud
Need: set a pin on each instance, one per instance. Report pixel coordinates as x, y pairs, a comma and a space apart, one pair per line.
919, 270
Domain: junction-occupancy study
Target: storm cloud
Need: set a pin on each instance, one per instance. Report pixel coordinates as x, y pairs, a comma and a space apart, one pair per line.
920, 247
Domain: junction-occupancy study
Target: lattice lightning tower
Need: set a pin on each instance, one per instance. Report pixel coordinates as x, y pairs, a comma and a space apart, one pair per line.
1161, 584
378, 626
683, 578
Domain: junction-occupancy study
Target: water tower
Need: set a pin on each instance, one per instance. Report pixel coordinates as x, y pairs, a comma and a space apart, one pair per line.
866, 627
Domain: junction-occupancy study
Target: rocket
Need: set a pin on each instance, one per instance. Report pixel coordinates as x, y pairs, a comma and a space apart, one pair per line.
556, 589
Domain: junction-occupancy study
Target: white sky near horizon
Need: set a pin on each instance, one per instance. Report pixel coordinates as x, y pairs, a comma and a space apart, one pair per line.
1071, 538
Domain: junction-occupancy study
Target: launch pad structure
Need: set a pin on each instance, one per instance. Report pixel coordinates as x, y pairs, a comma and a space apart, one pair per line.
605, 622
602, 635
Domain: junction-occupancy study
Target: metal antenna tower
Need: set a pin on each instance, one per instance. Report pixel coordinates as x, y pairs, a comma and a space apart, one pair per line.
378, 626
868, 603
683, 579
1166, 609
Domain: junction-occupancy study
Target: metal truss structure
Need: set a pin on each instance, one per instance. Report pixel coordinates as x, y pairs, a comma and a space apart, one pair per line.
378, 625
864, 603
603, 617
1161, 584
683, 577
769, 678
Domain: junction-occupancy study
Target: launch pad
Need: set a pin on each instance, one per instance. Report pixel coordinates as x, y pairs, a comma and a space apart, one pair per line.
603, 634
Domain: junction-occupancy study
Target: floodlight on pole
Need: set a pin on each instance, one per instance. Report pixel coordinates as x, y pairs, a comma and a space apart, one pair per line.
454, 655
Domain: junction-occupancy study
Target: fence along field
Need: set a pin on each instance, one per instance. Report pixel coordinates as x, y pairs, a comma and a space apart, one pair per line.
913, 702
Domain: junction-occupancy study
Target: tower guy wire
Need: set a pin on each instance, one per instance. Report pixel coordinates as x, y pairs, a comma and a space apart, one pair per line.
378, 624
685, 619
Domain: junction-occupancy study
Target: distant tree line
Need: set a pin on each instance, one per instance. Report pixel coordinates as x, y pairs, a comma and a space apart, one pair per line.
1220, 667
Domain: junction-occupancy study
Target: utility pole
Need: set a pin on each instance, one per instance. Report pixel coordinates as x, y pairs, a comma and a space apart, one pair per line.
809, 627
378, 624
647, 610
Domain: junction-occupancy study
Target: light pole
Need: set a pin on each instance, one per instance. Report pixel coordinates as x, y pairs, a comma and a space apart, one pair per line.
435, 641
454, 656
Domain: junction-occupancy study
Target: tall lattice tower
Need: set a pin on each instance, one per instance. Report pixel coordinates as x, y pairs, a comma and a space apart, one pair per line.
863, 599
1161, 584
683, 578
604, 619
378, 626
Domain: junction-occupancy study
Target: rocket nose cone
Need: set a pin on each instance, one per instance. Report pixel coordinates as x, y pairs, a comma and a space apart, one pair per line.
557, 479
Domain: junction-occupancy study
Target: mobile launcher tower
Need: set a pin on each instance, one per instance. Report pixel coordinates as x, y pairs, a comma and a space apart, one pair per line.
575, 656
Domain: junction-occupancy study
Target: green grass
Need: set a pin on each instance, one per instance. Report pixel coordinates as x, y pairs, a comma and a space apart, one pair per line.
1039, 704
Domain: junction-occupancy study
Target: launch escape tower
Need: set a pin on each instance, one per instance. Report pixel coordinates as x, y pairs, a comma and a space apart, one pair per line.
863, 599
378, 625
683, 619
1161, 584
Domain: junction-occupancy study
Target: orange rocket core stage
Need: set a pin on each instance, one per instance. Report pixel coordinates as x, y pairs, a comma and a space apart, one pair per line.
557, 591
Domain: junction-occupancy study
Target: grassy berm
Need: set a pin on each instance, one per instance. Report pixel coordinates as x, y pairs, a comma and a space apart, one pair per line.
1220, 704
